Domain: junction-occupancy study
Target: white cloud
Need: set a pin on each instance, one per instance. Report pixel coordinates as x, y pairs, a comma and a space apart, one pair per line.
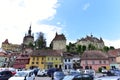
115, 43
86, 6
17, 15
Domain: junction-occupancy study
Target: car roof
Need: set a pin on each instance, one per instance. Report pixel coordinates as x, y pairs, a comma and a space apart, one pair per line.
108, 77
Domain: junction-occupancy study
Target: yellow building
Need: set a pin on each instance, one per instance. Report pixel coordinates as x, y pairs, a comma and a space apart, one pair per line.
10, 47
45, 59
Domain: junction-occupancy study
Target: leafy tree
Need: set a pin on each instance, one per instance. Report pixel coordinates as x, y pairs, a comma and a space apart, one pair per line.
79, 48
31, 45
40, 42
91, 47
112, 48
105, 48
83, 48
72, 47
68, 48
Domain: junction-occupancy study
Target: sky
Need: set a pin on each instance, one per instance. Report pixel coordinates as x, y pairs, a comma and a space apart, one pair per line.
73, 18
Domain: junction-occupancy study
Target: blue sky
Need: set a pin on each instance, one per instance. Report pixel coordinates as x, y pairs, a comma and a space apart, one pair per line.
100, 17
74, 18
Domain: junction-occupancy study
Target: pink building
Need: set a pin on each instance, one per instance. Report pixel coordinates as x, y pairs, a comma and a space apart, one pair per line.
21, 61
94, 59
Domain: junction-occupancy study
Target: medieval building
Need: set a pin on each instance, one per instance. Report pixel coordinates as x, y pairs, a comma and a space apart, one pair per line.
59, 42
9, 47
28, 39
98, 43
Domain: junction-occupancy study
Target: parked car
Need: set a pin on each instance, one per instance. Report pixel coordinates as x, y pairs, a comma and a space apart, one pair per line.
41, 73
78, 77
23, 75
104, 71
115, 72
51, 71
58, 75
5, 75
89, 71
108, 78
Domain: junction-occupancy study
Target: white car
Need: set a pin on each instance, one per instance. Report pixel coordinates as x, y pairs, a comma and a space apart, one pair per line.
108, 78
23, 75
42, 73
104, 71
89, 71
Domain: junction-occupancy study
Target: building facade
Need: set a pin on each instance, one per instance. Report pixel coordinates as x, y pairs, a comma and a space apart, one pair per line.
94, 59
59, 42
9, 47
98, 43
45, 59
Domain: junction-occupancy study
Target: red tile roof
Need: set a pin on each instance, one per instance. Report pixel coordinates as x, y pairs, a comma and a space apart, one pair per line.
3, 54
59, 37
114, 53
94, 54
46, 53
6, 42
69, 55
92, 39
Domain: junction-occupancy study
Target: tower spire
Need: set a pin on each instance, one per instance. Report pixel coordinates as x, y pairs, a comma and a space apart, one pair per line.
29, 31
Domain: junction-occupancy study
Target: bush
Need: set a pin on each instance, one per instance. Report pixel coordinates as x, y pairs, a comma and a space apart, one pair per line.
100, 69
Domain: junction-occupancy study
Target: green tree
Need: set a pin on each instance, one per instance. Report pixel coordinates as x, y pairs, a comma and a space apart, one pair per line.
112, 48
91, 47
68, 48
40, 42
105, 48
31, 45
79, 48
83, 48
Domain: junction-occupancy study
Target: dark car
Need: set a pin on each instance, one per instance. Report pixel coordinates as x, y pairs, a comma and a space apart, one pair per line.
51, 71
83, 77
5, 75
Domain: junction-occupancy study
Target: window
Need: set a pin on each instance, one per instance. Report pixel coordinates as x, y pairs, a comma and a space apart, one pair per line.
56, 58
32, 62
69, 66
86, 62
52, 58
37, 62
42, 58
56, 66
48, 58
65, 60
112, 59
100, 62
65, 66
42, 62
68, 60
104, 62
37, 58
33, 58
93, 62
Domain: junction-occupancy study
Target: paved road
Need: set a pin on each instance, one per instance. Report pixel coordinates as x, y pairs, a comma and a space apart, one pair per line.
48, 78
42, 78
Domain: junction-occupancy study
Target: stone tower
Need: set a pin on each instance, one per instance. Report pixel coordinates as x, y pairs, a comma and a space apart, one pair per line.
28, 38
59, 42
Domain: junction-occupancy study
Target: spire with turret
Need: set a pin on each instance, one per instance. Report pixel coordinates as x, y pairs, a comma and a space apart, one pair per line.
29, 31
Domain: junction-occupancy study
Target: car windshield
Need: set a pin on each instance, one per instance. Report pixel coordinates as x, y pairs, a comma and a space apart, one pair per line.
20, 74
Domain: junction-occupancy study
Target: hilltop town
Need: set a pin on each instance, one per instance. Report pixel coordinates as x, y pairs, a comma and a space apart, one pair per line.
89, 52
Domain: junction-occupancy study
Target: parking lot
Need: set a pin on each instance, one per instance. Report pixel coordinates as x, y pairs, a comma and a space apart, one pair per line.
42, 78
